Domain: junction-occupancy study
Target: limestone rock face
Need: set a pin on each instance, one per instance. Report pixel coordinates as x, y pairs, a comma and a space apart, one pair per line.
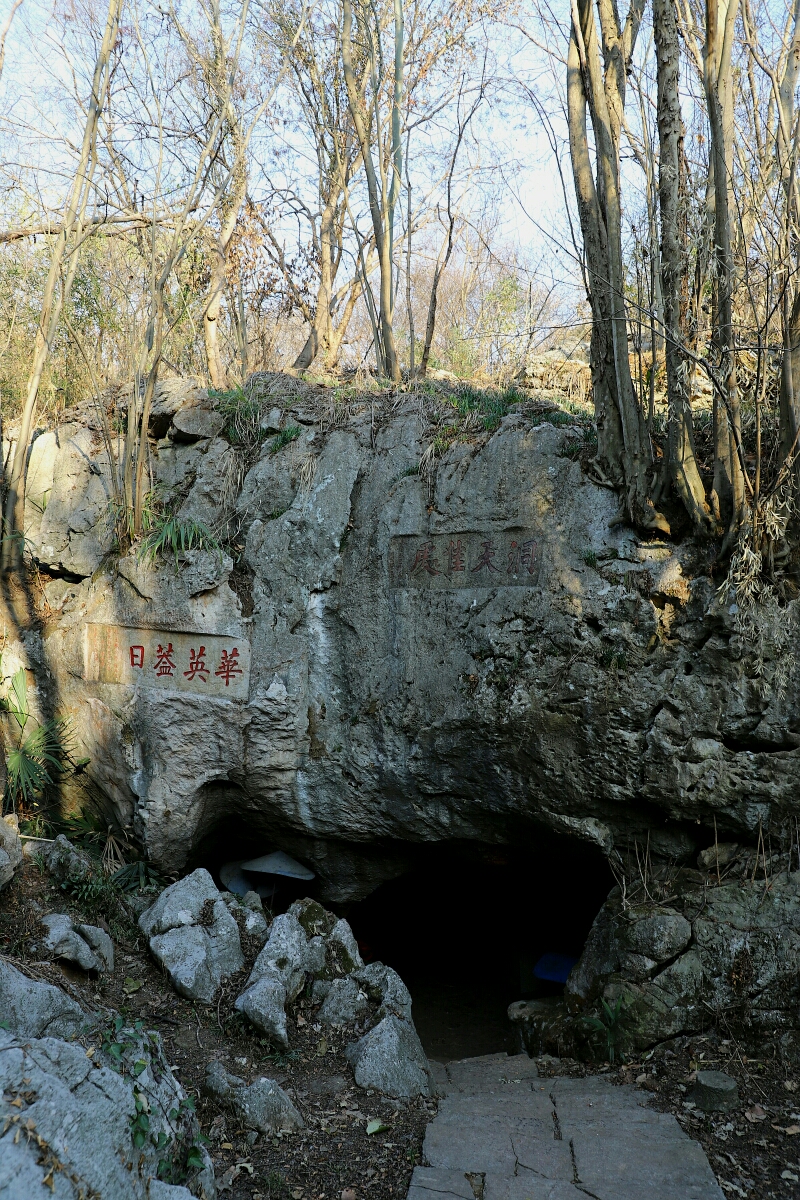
82, 1111
35, 1009
193, 935
732, 946
456, 655
10, 849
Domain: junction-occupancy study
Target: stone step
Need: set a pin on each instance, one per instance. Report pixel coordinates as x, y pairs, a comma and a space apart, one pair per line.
504, 1133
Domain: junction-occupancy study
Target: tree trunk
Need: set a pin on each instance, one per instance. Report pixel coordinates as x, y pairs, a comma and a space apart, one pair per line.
622, 435
682, 462
387, 350
728, 475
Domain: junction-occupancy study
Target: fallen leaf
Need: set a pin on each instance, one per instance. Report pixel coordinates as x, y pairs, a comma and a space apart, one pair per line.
376, 1126
792, 1130
90, 1052
641, 1079
226, 1146
297, 1194
756, 1113
245, 1166
301, 1021
322, 1046
132, 985
226, 1182
790, 1175
790, 1085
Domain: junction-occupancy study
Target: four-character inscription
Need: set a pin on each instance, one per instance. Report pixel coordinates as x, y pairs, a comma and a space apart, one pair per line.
464, 560
204, 663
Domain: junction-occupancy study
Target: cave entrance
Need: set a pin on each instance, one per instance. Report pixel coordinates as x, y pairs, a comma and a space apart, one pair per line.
467, 927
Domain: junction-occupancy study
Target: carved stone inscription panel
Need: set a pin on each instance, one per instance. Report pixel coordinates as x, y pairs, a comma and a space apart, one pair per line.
204, 663
464, 560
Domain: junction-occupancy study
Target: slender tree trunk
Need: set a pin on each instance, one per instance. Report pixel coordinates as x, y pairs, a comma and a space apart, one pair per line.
622, 433
382, 233
682, 464
319, 335
728, 476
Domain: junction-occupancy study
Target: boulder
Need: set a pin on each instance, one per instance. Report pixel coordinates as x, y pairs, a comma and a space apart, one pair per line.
385, 986
35, 1009
10, 849
65, 862
261, 1105
263, 1002
288, 954
87, 945
193, 936
344, 1003
391, 1060
82, 1110
195, 422
714, 1091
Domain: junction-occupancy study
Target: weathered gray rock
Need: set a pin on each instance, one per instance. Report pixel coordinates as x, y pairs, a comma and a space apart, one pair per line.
87, 945
101, 944
10, 849
659, 935
252, 919
733, 947
385, 986
197, 421
35, 1009
390, 1059
721, 855
261, 1105
344, 1003
66, 862
287, 955
193, 935
714, 1091
81, 1110
263, 1002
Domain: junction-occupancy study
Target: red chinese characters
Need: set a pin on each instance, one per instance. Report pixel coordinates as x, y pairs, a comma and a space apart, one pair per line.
229, 666
484, 562
521, 557
455, 556
137, 656
165, 661
426, 560
197, 665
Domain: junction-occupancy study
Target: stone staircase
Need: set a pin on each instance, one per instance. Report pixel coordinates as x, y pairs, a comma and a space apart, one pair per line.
503, 1133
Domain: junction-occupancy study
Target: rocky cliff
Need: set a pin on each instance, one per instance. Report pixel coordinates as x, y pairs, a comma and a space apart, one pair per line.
475, 652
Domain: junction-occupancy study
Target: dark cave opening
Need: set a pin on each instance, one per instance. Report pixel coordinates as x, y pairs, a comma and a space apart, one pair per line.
466, 927
234, 839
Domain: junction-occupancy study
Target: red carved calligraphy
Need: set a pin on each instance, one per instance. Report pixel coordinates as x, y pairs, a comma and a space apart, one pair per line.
229, 666
197, 665
137, 656
426, 560
485, 558
455, 556
527, 555
165, 661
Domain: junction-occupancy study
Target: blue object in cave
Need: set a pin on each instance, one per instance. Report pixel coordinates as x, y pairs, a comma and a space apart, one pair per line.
554, 967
